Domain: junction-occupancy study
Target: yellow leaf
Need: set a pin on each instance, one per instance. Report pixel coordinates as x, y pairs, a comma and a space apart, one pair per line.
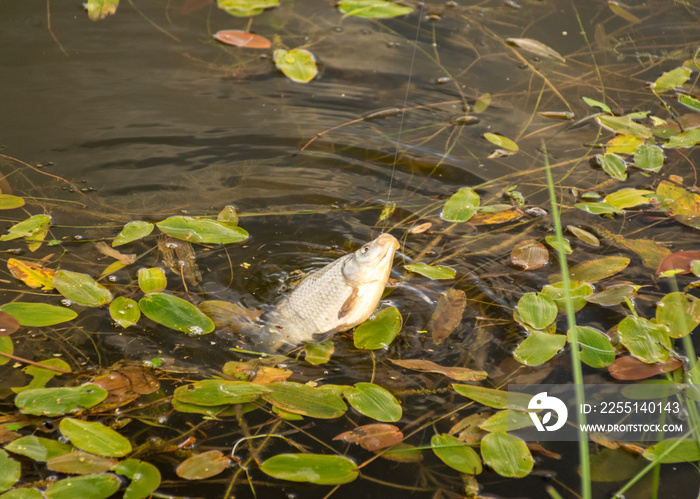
31, 274
623, 144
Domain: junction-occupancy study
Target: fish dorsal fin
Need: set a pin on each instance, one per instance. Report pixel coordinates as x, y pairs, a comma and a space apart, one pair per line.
349, 303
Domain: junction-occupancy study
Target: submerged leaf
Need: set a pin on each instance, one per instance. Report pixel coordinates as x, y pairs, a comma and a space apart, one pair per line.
448, 313
99, 9
631, 368
204, 465
680, 261
373, 9
456, 373
9, 202
298, 65
619, 10
318, 353
595, 270
624, 125
501, 141
38, 448
670, 80
245, 39
614, 294
529, 254
613, 165
372, 437
80, 463
583, 235
314, 468
535, 47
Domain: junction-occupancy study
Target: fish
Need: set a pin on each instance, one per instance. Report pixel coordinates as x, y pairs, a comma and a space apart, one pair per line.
335, 298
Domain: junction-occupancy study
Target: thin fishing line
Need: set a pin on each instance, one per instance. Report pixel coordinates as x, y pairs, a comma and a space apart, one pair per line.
405, 102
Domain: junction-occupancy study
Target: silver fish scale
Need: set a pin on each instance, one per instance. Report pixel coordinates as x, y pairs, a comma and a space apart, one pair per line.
313, 306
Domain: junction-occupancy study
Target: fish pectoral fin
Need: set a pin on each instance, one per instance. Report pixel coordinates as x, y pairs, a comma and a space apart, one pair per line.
349, 303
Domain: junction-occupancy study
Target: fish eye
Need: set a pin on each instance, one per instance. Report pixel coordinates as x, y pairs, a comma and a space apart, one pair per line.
364, 249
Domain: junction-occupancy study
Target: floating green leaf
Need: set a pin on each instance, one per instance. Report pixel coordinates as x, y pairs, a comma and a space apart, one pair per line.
318, 353
507, 455
628, 198
99, 486
649, 157
596, 349
80, 463
598, 104
305, 400
212, 392
22, 493
623, 125
124, 311
246, 8
645, 340
498, 399
538, 348
133, 231
373, 9
461, 206
99, 9
682, 204
9, 471
37, 314
314, 468
431, 271
175, 313
228, 214
689, 101
456, 454
38, 448
501, 141
679, 312
687, 138
507, 420
145, 478
379, 331
32, 226
537, 310
152, 280
595, 270
204, 465
297, 64
374, 402
95, 437
81, 289
41, 376
8, 201
59, 401
614, 294
201, 230
683, 452
7, 347
554, 243
613, 165
579, 291
599, 208
670, 80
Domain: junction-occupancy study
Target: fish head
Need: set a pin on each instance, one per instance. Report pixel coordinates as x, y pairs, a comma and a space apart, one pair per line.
372, 262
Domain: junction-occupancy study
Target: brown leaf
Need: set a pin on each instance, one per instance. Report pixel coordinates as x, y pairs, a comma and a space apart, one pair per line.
125, 384
534, 446
496, 217
204, 465
107, 250
529, 254
418, 229
8, 324
448, 314
372, 436
619, 10
535, 47
457, 373
242, 39
631, 368
32, 274
254, 371
680, 260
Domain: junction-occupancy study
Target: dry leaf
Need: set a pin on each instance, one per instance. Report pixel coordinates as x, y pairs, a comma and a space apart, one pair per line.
372, 437
457, 373
107, 250
254, 371
242, 39
631, 368
448, 314
680, 260
418, 229
496, 217
31, 274
535, 47
529, 254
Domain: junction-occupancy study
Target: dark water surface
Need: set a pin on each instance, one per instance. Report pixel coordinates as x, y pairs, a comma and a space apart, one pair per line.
149, 117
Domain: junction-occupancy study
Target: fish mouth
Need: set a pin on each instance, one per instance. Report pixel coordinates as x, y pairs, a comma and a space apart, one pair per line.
388, 242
